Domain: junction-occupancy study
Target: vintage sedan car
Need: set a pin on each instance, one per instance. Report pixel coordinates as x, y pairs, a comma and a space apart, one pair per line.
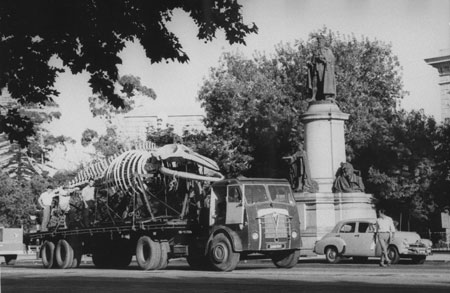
356, 238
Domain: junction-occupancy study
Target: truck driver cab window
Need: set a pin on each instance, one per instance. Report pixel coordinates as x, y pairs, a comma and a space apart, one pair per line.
255, 193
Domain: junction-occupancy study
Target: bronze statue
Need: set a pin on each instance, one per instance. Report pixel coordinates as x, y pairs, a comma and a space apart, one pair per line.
299, 172
347, 181
321, 79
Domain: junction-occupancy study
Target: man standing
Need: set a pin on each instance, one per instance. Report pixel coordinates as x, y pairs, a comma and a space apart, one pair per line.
88, 196
45, 201
385, 233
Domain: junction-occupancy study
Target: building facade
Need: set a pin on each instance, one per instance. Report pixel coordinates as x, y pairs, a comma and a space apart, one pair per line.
442, 64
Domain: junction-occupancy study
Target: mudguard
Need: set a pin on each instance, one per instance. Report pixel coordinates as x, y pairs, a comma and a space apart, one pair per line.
337, 242
232, 235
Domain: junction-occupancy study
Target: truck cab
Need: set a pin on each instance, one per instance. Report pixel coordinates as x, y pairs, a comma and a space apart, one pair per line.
257, 216
11, 244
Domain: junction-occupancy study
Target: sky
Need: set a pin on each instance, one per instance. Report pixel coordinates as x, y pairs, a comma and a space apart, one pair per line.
416, 29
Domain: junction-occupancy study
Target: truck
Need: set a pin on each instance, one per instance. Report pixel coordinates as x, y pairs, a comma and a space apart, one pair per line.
11, 244
170, 202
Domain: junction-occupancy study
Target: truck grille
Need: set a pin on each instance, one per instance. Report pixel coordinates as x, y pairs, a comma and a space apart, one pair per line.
275, 226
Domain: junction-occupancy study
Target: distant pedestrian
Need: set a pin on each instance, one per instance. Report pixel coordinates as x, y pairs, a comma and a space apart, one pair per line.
45, 201
385, 234
88, 196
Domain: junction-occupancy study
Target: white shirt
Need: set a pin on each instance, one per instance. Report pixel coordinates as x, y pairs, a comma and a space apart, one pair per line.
64, 202
45, 199
385, 224
88, 193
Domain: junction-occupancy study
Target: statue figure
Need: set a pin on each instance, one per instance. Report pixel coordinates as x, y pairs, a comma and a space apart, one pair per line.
321, 79
347, 181
299, 172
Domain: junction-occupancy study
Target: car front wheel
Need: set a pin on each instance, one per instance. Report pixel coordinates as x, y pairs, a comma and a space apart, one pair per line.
393, 254
332, 255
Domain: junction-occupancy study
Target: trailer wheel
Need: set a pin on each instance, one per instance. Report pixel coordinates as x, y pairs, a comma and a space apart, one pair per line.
48, 254
148, 253
287, 259
221, 254
11, 259
121, 253
64, 254
164, 260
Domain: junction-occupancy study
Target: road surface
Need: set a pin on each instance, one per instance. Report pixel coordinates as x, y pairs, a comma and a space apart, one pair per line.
310, 275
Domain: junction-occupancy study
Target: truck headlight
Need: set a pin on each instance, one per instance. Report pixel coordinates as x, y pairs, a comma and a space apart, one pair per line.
255, 236
294, 234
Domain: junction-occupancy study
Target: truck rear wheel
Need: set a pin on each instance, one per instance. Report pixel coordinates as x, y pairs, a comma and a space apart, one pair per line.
286, 259
148, 253
48, 254
221, 254
63, 254
164, 259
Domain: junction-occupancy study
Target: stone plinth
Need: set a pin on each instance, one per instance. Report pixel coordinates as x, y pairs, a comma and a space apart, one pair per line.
319, 213
324, 141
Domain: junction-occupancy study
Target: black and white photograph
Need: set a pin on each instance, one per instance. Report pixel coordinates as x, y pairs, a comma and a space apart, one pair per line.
224, 146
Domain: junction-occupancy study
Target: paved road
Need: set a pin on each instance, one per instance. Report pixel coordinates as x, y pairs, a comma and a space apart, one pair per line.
312, 275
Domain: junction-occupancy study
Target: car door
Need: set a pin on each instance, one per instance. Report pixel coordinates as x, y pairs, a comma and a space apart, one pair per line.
365, 245
347, 233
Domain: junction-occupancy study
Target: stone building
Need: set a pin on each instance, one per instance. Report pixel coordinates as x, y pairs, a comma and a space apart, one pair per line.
442, 64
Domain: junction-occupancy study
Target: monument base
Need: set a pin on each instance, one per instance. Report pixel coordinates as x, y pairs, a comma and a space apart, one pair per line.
319, 212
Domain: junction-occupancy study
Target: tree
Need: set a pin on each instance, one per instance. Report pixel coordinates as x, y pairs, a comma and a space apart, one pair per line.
402, 167
254, 105
23, 162
88, 36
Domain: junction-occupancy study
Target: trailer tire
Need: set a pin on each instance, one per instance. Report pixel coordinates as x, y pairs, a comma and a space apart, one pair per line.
148, 253
221, 254
164, 260
48, 254
63, 254
287, 259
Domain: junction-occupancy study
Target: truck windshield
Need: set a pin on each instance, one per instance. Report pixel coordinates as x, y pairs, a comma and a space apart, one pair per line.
280, 193
255, 193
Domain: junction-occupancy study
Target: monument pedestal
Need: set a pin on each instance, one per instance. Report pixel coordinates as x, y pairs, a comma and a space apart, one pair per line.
325, 148
324, 141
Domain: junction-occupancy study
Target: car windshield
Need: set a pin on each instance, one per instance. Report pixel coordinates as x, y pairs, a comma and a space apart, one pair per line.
280, 193
255, 193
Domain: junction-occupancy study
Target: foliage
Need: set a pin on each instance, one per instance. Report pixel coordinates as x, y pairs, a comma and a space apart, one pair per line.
17, 160
254, 105
131, 85
88, 36
18, 199
105, 145
402, 166
163, 136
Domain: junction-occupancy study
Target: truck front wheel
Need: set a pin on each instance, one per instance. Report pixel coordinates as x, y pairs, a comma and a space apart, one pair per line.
285, 259
221, 254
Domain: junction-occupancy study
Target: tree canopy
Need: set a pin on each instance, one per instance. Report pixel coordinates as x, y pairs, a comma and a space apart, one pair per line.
253, 108
88, 35
255, 104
